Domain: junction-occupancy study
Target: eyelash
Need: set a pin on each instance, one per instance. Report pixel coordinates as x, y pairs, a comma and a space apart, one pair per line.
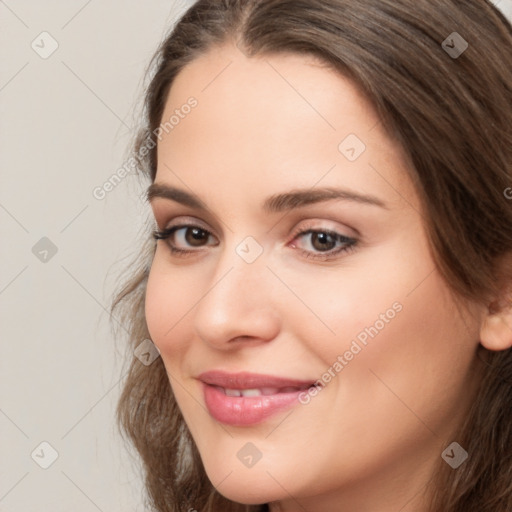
349, 243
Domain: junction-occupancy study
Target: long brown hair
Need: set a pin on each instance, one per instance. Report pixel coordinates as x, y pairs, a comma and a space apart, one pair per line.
453, 117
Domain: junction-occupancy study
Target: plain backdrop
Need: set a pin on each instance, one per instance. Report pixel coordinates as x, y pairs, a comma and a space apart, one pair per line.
70, 80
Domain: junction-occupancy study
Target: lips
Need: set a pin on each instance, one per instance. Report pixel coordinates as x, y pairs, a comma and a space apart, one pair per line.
243, 399
245, 380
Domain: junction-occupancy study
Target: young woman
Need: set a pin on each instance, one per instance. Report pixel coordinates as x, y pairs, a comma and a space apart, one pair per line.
329, 280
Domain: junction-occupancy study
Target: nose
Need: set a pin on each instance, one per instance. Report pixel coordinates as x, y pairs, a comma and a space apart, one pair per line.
237, 306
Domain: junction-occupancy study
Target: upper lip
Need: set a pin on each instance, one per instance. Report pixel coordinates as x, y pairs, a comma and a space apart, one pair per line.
246, 380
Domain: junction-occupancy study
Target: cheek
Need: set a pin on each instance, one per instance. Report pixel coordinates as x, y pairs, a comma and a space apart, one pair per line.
358, 301
414, 370
399, 334
167, 303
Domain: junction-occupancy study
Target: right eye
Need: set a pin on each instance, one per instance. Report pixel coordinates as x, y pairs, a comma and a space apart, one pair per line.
182, 238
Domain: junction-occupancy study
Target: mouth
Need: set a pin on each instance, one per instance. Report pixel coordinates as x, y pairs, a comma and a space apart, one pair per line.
244, 399
266, 391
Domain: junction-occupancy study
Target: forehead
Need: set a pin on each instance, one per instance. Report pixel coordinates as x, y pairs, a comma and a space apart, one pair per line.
273, 118
300, 86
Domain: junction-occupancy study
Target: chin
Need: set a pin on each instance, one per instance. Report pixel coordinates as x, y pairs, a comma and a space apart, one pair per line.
247, 486
246, 495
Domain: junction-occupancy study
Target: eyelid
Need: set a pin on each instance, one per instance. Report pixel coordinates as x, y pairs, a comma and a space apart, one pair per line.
315, 224
187, 220
320, 225
166, 212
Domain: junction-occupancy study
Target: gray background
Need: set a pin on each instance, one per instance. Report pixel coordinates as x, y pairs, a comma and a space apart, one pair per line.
65, 123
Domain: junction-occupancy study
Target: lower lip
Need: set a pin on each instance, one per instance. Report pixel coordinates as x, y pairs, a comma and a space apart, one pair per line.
240, 410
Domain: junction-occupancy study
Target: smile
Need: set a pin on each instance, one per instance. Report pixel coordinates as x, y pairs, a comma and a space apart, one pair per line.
244, 399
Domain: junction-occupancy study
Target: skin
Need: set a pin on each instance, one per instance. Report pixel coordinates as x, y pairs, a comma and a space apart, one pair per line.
372, 438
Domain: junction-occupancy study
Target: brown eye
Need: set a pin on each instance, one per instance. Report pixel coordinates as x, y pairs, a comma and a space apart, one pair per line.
195, 236
322, 241
184, 238
322, 244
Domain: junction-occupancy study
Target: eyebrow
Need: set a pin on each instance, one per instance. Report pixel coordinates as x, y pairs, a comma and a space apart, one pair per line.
273, 204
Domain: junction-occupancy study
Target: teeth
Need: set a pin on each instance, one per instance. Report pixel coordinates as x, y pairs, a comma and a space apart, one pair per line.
232, 392
251, 392
259, 392
242, 392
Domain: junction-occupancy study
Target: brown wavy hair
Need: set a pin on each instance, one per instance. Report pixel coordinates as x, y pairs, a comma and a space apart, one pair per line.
452, 116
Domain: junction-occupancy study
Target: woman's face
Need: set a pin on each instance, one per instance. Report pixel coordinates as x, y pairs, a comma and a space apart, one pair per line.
308, 261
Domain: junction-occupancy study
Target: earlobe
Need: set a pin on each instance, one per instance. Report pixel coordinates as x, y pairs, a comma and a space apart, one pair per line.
496, 330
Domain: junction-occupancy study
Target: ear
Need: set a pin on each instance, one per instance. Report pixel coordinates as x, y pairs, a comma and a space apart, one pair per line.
496, 328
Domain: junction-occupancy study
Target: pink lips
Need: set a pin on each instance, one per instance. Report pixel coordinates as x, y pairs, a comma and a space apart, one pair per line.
266, 395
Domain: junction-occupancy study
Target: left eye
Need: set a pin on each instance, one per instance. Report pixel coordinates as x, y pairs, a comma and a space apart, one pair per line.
322, 241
